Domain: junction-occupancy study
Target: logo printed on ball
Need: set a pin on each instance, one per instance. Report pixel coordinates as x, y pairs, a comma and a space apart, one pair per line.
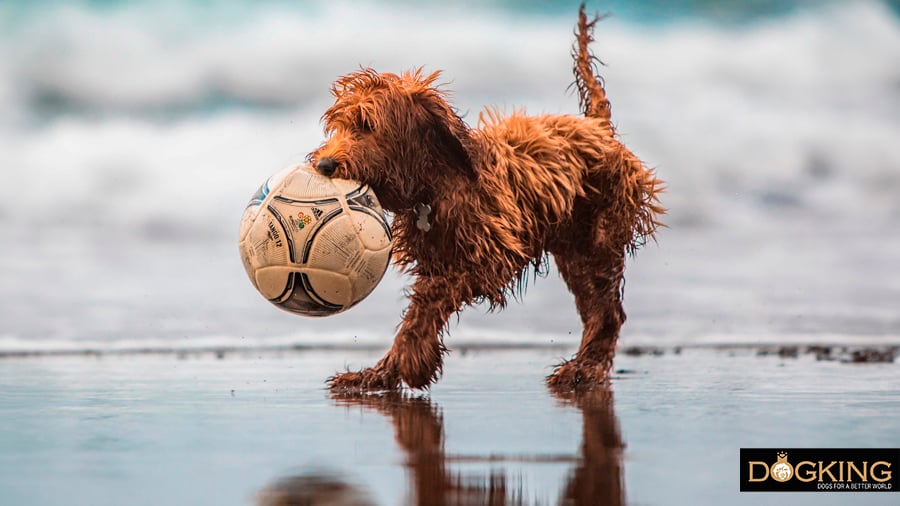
302, 220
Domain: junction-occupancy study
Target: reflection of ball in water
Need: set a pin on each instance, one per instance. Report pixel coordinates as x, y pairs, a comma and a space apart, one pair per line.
314, 245
313, 489
781, 471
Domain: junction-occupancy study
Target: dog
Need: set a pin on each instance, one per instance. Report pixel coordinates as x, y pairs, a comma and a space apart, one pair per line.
477, 210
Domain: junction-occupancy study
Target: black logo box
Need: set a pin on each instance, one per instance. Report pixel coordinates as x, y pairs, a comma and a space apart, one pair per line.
822, 470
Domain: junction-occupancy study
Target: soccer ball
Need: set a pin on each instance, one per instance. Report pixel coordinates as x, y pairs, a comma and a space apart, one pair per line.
313, 245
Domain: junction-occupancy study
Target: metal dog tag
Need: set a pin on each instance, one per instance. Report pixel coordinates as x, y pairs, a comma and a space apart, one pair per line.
422, 211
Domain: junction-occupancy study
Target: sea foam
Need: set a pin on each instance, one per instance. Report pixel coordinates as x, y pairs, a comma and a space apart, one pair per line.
145, 116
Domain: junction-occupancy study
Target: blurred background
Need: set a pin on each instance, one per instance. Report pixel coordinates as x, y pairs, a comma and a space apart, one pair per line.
133, 133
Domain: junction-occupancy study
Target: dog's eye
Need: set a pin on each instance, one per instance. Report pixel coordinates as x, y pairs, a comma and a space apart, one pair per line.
365, 126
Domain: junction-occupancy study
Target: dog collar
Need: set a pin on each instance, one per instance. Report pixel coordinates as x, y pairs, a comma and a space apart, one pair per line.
422, 212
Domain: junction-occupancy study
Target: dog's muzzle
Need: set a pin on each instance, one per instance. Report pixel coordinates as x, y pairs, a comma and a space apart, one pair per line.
326, 166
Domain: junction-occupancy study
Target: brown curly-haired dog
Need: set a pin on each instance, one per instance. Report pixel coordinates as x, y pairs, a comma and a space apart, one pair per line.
476, 209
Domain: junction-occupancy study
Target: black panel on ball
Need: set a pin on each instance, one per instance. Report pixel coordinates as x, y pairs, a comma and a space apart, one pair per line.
302, 301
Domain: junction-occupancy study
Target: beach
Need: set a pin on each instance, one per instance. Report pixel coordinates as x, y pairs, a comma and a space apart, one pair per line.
138, 365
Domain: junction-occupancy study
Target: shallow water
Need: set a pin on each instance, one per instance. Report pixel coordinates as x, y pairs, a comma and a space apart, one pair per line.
194, 429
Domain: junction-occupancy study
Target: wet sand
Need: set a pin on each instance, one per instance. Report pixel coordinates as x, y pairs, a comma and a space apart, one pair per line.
255, 427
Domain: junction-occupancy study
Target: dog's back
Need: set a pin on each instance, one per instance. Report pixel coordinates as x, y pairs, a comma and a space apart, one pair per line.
539, 168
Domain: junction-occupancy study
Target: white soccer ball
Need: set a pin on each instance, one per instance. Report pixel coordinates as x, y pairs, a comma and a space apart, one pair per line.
313, 245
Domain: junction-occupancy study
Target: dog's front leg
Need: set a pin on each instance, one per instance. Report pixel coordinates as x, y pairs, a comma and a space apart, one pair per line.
416, 356
418, 350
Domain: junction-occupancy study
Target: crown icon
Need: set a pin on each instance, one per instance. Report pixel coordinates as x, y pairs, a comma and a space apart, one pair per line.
782, 470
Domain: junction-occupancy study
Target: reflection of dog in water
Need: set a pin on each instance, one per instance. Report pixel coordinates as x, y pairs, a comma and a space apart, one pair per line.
419, 431
599, 477
477, 210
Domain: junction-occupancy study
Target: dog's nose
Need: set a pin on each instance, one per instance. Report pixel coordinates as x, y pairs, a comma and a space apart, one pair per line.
326, 166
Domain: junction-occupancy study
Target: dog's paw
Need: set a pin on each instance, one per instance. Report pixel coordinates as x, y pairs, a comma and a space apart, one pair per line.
422, 365
578, 374
372, 379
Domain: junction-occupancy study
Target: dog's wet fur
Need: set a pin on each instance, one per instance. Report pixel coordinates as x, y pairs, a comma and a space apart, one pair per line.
503, 196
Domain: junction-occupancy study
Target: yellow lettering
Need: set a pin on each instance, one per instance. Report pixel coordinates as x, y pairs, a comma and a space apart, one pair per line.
884, 475
852, 467
810, 473
763, 465
826, 469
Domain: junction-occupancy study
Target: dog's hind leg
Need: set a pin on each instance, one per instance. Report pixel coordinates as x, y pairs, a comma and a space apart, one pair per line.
595, 279
416, 356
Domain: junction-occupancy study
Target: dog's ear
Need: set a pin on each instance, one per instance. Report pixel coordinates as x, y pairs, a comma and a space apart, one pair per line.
450, 135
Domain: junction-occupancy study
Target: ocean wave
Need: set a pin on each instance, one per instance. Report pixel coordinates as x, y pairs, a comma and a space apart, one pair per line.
144, 117
166, 62
130, 61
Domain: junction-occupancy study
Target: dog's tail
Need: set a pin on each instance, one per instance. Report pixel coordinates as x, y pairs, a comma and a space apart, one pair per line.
638, 203
591, 93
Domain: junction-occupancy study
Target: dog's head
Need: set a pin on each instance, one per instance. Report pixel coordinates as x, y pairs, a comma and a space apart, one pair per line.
396, 133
